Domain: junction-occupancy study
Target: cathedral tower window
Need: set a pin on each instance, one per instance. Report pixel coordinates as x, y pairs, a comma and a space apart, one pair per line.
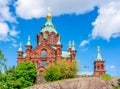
43, 63
44, 53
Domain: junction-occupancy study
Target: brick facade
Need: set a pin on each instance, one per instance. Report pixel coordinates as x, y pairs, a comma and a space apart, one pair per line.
48, 48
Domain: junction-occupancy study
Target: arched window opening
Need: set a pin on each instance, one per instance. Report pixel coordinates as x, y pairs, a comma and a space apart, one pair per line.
98, 67
52, 39
102, 67
43, 63
44, 53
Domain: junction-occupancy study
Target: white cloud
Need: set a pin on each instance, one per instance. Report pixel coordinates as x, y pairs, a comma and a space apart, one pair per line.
5, 14
38, 8
15, 45
6, 18
84, 42
107, 24
4, 29
112, 67
14, 33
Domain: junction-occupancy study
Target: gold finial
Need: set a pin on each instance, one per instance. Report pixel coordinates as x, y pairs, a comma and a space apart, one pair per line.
49, 14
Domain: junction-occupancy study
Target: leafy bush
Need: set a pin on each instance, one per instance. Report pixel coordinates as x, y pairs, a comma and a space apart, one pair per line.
26, 73
60, 70
106, 77
117, 87
8, 79
67, 69
52, 73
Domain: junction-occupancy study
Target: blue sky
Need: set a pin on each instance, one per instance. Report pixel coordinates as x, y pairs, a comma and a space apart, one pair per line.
88, 23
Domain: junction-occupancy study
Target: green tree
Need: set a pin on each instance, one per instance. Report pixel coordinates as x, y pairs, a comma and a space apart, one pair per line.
52, 73
3, 61
60, 70
26, 73
8, 79
67, 69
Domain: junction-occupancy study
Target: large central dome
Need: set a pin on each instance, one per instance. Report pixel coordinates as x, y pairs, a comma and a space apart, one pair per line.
48, 26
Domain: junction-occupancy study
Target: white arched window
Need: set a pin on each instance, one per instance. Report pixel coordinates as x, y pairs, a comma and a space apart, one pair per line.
44, 53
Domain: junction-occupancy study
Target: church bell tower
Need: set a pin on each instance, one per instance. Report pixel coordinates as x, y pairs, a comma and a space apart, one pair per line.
99, 65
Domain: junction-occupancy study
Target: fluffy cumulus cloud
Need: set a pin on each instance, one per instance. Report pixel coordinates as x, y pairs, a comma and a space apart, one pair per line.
6, 17
5, 14
107, 24
38, 8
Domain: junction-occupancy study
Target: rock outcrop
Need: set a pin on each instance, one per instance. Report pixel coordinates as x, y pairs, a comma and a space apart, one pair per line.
79, 83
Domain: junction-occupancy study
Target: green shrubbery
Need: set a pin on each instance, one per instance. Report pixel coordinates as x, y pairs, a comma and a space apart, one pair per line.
26, 73
117, 87
52, 73
106, 77
60, 70
22, 76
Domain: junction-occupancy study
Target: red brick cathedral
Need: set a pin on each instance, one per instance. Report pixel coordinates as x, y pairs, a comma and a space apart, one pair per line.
99, 66
48, 49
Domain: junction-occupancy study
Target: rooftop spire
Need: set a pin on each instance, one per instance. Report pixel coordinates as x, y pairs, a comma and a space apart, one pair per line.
69, 45
73, 45
20, 48
98, 49
99, 58
28, 43
49, 14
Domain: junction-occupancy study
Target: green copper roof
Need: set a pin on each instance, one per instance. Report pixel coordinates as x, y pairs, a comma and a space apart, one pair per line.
28, 43
48, 26
66, 54
20, 48
99, 57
